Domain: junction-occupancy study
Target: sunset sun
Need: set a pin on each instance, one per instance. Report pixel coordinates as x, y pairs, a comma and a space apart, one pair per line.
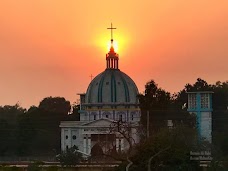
115, 45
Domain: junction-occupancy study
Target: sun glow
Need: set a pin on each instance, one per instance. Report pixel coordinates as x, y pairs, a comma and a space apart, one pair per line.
120, 41
115, 46
119, 44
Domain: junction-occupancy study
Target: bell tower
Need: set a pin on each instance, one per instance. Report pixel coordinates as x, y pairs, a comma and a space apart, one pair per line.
112, 57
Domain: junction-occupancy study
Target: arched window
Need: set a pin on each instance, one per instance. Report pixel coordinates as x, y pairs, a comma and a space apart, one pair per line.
133, 115
121, 116
106, 115
93, 116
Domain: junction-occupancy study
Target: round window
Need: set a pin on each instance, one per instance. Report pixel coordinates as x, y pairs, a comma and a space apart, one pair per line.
74, 137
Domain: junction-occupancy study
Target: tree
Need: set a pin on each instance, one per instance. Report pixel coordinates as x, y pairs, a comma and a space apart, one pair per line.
25, 133
46, 140
126, 130
154, 97
181, 97
154, 100
70, 157
10, 113
4, 137
161, 107
55, 105
220, 96
8, 128
220, 138
167, 150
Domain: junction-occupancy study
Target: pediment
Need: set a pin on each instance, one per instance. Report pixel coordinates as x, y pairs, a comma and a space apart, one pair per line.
99, 122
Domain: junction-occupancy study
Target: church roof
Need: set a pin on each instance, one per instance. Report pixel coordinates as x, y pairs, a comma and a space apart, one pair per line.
112, 86
99, 122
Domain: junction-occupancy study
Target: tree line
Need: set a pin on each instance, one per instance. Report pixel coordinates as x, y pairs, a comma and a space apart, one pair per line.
36, 131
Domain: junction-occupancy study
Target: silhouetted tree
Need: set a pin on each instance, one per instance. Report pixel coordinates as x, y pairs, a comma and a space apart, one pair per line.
55, 105
161, 108
4, 137
181, 97
154, 98
46, 125
220, 96
25, 133
168, 150
8, 129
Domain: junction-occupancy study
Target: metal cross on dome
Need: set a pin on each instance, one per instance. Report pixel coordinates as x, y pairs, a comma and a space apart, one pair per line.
91, 77
111, 28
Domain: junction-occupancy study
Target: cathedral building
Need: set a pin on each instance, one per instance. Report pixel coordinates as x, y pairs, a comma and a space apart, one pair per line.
110, 97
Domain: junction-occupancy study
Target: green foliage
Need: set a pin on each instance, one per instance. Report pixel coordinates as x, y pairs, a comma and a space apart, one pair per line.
70, 157
122, 167
161, 108
154, 97
34, 132
7, 168
220, 96
55, 105
47, 131
170, 148
35, 166
52, 168
25, 134
181, 97
4, 136
8, 128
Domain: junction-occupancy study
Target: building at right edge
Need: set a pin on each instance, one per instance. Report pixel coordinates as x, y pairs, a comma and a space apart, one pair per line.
200, 103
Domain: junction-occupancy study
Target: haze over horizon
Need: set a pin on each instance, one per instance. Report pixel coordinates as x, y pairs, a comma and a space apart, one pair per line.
50, 48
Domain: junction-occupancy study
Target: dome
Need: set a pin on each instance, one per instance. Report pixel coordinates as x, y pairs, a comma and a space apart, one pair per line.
112, 86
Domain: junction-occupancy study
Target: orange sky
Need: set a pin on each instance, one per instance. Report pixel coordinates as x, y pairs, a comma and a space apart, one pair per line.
50, 47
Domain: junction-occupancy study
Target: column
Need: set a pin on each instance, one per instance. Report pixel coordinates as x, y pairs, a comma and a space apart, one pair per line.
89, 144
70, 138
87, 147
117, 144
62, 139
122, 144
84, 144
113, 115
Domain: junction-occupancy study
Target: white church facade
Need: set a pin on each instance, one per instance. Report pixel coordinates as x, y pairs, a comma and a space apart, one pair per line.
111, 96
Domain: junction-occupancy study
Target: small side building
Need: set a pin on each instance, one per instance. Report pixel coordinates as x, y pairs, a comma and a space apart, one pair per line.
200, 103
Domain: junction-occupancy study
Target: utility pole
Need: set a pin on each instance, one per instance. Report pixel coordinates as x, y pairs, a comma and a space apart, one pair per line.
148, 124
